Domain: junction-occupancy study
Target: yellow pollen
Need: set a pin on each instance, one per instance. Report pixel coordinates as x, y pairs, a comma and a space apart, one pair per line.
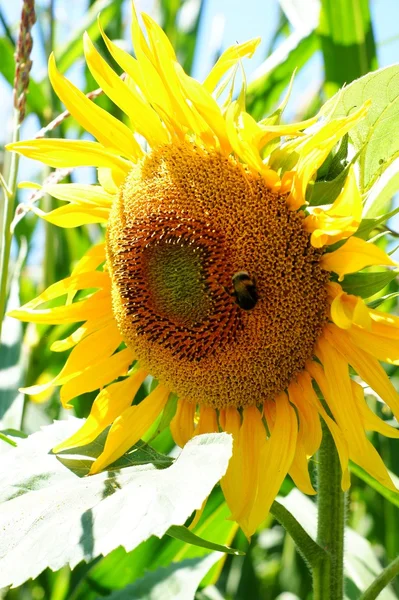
215, 284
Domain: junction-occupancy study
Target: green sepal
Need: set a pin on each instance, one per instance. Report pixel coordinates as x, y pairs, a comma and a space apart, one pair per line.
367, 284
179, 532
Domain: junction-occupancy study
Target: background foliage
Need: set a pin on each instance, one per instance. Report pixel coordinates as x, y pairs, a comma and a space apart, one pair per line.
328, 49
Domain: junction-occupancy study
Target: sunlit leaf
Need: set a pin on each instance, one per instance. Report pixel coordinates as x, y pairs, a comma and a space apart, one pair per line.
94, 515
72, 49
373, 134
185, 535
273, 76
347, 41
367, 284
179, 581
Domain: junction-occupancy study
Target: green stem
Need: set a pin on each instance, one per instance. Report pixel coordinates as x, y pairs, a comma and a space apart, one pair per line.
47, 202
383, 579
328, 576
7, 216
307, 547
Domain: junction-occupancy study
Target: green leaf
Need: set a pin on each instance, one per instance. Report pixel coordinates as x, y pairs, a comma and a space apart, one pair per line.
380, 197
393, 497
373, 134
140, 454
176, 582
325, 192
121, 568
347, 41
73, 48
36, 99
94, 515
361, 564
367, 284
185, 535
274, 75
376, 303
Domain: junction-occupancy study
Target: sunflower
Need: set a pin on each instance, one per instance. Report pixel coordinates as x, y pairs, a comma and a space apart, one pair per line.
216, 276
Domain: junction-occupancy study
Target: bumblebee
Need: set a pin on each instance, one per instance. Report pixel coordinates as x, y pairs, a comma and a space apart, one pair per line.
245, 290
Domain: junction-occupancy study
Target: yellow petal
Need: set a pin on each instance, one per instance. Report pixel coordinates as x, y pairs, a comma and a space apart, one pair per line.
80, 281
80, 193
370, 420
164, 60
107, 129
90, 260
229, 59
97, 376
208, 422
231, 482
182, 424
348, 310
381, 347
130, 426
341, 444
308, 440
59, 153
355, 254
252, 438
107, 181
309, 421
384, 324
73, 215
299, 470
206, 106
95, 307
345, 410
341, 220
314, 150
111, 402
277, 454
80, 333
367, 367
243, 145
142, 116
92, 350
127, 63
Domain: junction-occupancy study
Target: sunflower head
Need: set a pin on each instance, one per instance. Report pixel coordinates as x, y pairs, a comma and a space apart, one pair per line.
216, 277
193, 239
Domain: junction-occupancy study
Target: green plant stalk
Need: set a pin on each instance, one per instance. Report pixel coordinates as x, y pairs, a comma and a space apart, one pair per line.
49, 266
381, 582
312, 553
328, 575
7, 217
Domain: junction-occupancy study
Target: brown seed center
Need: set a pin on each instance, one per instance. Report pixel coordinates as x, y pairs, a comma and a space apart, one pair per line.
215, 283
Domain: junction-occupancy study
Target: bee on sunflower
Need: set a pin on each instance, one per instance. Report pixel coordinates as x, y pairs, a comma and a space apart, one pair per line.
216, 277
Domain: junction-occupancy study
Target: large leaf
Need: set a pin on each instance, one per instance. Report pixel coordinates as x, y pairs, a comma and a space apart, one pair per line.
94, 515
72, 49
273, 76
393, 497
380, 197
176, 582
361, 564
121, 568
367, 284
347, 41
373, 135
